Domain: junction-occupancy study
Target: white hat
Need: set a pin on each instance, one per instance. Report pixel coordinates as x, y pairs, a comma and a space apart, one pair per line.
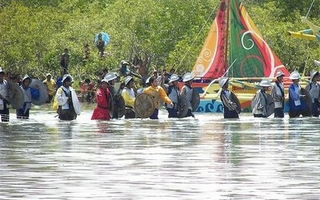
294, 75
148, 80
26, 77
279, 73
313, 74
222, 81
123, 62
104, 80
66, 76
316, 63
188, 77
173, 77
110, 76
265, 83
128, 79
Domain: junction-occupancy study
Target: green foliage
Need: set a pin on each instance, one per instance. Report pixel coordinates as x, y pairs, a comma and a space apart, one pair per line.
164, 33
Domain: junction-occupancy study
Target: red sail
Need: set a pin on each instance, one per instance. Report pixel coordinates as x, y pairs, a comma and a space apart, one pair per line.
211, 62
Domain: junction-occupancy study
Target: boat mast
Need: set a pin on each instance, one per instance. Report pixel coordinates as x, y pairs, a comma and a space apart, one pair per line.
226, 46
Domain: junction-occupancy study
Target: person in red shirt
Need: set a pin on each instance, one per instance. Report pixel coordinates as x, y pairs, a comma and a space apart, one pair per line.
103, 99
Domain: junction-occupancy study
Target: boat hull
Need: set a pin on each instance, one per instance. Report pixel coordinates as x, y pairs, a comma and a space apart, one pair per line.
215, 105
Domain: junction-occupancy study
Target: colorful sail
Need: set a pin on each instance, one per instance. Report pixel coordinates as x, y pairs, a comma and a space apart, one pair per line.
249, 53
252, 55
211, 61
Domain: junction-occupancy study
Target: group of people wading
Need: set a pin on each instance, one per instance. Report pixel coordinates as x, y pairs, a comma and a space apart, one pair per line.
127, 101
302, 101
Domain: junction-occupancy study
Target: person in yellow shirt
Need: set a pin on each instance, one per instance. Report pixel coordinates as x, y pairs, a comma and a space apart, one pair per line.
51, 87
157, 92
129, 96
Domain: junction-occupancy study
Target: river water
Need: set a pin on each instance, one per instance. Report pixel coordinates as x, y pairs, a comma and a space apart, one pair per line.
203, 158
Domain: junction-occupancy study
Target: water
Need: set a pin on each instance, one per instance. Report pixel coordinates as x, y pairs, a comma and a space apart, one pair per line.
203, 158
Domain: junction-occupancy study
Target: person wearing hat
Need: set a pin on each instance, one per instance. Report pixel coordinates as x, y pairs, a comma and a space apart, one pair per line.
4, 108
229, 105
129, 97
66, 101
314, 88
157, 92
187, 90
111, 78
51, 87
173, 94
103, 99
124, 68
145, 85
297, 101
277, 93
259, 101
29, 94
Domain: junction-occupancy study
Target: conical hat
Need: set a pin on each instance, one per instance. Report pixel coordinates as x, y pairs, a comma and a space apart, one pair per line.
15, 95
37, 84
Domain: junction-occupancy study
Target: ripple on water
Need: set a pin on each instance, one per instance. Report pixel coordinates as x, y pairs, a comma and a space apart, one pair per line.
202, 158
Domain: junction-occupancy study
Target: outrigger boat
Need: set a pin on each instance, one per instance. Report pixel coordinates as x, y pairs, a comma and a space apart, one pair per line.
234, 48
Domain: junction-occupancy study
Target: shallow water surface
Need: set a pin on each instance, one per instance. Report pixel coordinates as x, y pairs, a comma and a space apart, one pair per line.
203, 158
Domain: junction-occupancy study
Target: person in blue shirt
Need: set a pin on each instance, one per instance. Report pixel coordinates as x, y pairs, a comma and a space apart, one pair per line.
297, 100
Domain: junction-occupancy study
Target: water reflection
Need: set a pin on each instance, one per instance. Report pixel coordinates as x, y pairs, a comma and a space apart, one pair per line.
44, 158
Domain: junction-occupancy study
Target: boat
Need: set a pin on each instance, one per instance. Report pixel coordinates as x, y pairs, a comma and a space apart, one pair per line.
310, 34
235, 48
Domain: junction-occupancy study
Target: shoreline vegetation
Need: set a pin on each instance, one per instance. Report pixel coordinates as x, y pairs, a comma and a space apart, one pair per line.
149, 34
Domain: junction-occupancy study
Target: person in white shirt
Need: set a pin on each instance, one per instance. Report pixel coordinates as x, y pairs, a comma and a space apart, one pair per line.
66, 100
